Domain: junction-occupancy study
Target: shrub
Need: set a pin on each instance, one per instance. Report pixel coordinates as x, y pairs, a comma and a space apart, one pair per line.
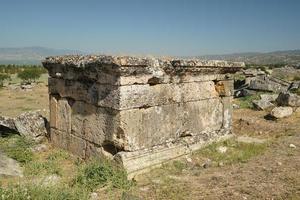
3, 77
30, 75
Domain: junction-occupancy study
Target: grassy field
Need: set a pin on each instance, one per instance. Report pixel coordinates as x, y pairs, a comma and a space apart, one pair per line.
245, 171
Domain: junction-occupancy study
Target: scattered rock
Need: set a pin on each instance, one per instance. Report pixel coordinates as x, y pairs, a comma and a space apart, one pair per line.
281, 112
279, 163
31, 125
269, 97
288, 99
26, 87
235, 106
9, 167
246, 139
40, 148
292, 146
188, 159
262, 104
207, 163
297, 110
222, 149
244, 93
94, 196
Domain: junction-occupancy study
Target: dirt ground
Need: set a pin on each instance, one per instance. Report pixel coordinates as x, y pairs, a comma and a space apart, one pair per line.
274, 174
14, 101
271, 173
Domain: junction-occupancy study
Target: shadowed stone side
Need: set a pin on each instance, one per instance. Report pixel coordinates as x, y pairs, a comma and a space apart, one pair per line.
139, 111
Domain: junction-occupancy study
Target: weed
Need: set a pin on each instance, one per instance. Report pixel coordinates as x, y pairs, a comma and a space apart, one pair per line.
17, 147
28, 192
100, 173
36, 167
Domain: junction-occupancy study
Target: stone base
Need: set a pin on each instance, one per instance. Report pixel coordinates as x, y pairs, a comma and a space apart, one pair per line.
139, 162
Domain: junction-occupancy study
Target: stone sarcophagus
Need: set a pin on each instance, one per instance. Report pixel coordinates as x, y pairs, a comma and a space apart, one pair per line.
139, 111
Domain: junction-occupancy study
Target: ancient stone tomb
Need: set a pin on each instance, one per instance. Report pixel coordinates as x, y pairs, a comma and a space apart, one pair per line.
139, 111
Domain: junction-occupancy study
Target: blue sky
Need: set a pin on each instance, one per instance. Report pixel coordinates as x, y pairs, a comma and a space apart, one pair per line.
156, 27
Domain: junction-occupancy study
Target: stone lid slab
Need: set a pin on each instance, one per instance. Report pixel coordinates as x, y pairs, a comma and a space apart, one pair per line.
82, 61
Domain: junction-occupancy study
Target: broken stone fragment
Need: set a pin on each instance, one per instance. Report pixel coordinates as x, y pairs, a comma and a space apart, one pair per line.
7, 123
262, 104
281, 112
31, 125
269, 97
9, 167
288, 99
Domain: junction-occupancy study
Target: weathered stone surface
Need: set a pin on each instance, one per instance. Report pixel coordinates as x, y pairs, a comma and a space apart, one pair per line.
7, 124
31, 125
269, 97
92, 123
9, 167
141, 161
141, 111
135, 96
143, 128
116, 70
288, 99
268, 83
281, 112
262, 104
60, 117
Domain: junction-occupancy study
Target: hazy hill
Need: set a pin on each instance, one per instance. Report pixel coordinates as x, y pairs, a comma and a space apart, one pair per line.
33, 55
276, 57
30, 55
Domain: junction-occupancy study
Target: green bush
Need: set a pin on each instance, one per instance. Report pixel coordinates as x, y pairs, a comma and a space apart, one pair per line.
100, 173
29, 75
3, 77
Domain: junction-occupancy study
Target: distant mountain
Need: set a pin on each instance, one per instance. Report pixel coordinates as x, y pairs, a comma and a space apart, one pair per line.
30, 55
291, 57
34, 55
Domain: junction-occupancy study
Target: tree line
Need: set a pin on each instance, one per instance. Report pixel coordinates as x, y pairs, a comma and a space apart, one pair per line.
27, 73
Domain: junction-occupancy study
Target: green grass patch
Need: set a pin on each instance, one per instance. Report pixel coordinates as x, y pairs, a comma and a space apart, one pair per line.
28, 192
47, 166
17, 147
100, 173
246, 102
237, 152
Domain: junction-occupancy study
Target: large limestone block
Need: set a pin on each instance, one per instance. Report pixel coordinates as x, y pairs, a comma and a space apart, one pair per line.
141, 161
136, 96
92, 123
144, 128
60, 114
227, 112
68, 142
